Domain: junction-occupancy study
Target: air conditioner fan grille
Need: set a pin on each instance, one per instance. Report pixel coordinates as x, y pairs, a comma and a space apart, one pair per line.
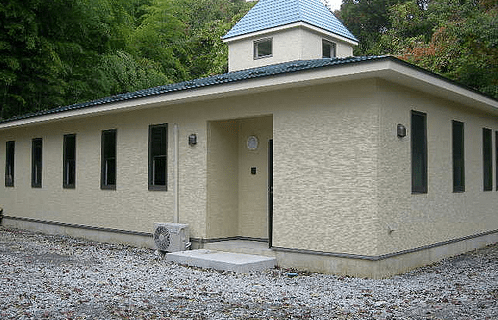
162, 238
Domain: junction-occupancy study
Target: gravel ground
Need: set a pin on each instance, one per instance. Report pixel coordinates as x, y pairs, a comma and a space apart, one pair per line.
57, 277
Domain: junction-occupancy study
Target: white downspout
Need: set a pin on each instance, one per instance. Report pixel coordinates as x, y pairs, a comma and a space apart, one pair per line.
176, 175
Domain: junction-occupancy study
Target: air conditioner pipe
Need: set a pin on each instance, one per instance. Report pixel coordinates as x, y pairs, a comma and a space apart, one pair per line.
176, 165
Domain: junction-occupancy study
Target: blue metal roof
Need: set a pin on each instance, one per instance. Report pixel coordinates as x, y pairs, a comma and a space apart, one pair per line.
236, 76
268, 14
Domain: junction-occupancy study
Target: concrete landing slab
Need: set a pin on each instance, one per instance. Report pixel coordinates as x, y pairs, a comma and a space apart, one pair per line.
225, 261
241, 246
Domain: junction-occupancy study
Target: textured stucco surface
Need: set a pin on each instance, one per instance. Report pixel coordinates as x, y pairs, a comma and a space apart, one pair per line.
325, 169
253, 188
440, 215
223, 184
130, 206
292, 44
341, 176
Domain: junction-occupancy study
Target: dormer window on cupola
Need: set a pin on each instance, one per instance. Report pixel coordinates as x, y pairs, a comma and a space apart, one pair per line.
263, 48
328, 49
277, 31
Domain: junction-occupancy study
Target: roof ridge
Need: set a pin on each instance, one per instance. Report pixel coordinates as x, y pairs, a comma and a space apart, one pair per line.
268, 14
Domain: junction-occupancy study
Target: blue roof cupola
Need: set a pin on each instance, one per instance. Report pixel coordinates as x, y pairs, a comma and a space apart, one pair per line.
267, 14
276, 31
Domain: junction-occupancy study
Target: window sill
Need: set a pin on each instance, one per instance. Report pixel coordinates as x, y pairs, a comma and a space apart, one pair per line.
263, 57
158, 188
419, 192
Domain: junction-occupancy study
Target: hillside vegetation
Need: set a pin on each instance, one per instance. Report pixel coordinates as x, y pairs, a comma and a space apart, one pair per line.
60, 52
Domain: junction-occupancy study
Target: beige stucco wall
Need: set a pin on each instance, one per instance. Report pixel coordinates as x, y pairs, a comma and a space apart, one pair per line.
341, 176
253, 188
124, 208
440, 215
296, 43
131, 206
325, 160
223, 183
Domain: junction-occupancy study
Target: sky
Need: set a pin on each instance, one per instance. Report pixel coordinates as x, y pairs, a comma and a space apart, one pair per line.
334, 4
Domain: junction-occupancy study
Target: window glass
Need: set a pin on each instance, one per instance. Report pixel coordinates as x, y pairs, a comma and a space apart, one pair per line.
263, 48
9, 163
158, 145
108, 171
419, 152
328, 49
69, 161
458, 157
36, 163
496, 153
487, 151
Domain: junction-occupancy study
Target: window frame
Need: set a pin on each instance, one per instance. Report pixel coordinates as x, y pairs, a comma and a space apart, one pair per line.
333, 49
104, 170
487, 159
256, 45
152, 154
458, 155
68, 169
496, 158
10, 149
37, 163
423, 188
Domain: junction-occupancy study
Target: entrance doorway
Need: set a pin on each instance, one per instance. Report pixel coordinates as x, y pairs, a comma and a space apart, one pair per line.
238, 178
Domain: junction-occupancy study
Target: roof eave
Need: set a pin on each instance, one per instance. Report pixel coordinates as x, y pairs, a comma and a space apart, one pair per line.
298, 24
388, 68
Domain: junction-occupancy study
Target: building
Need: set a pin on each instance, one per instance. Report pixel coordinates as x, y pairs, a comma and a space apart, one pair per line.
365, 166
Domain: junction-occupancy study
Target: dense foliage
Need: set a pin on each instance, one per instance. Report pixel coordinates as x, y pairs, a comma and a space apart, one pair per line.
455, 38
59, 52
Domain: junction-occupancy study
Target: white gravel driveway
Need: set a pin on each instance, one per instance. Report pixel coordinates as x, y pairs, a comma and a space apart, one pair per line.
56, 277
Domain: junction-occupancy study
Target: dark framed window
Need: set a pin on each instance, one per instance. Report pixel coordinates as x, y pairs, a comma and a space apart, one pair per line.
108, 160
496, 153
328, 49
36, 162
458, 157
9, 163
263, 48
158, 149
69, 161
487, 152
419, 152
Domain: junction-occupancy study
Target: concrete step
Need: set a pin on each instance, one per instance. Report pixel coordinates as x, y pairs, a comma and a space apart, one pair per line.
241, 246
225, 261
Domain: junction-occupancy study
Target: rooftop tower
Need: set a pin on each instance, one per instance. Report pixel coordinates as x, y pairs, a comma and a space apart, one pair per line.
276, 31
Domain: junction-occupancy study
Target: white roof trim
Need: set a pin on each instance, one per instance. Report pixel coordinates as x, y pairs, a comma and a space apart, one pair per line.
289, 26
392, 70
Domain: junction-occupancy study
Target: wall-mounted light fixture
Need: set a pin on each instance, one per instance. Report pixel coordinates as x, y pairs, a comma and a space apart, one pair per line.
192, 139
401, 131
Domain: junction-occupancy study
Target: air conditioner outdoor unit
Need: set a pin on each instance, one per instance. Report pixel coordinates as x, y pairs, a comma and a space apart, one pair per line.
171, 237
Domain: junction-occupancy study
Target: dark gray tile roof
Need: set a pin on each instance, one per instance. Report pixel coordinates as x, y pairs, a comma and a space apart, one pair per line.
268, 14
236, 76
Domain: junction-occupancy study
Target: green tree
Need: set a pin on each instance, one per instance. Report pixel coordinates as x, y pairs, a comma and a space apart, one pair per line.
368, 20
206, 22
29, 64
463, 44
454, 38
59, 52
